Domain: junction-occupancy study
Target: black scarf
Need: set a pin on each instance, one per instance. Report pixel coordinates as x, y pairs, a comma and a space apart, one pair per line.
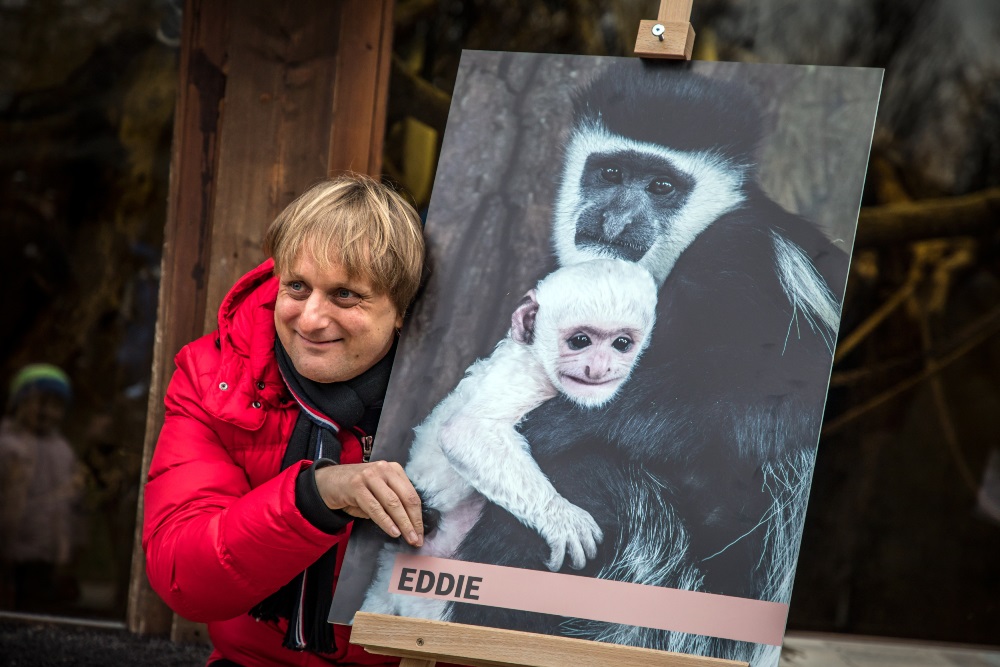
325, 409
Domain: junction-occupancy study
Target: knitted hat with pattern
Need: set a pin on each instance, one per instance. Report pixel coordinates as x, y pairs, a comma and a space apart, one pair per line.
45, 378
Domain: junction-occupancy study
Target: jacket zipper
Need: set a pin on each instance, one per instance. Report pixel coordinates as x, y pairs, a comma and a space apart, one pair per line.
367, 443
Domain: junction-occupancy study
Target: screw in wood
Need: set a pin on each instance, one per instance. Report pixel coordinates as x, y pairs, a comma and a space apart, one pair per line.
658, 30
420, 641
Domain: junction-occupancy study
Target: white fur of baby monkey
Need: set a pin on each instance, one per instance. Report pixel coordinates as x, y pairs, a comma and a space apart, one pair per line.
468, 450
605, 293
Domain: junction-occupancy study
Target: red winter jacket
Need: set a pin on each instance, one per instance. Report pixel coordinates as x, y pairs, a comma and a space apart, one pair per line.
221, 528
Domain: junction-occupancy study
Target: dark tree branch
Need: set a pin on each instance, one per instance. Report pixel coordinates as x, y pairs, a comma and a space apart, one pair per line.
413, 96
981, 330
965, 215
408, 13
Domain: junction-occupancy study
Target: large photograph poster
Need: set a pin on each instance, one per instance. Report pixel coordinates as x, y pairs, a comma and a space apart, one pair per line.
648, 261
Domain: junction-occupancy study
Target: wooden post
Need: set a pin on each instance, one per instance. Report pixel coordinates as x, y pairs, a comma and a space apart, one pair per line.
363, 67
670, 35
273, 97
186, 251
421, 643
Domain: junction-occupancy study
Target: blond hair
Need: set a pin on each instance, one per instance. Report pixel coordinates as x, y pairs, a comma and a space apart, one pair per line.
364, 225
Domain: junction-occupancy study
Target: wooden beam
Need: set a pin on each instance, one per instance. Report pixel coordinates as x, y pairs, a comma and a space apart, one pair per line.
186, 250
674, 11
282, 69
359, 103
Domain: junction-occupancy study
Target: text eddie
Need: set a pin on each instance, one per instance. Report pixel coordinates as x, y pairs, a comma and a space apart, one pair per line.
441, 584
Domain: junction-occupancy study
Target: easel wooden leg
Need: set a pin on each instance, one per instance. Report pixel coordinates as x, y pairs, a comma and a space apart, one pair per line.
416, 662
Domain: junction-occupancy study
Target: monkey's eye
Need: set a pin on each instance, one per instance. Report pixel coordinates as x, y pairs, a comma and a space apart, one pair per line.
660, 186
578, 341
622, 344
612, 175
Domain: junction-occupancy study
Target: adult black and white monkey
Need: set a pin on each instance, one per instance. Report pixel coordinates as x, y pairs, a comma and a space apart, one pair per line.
698, 471
577, 334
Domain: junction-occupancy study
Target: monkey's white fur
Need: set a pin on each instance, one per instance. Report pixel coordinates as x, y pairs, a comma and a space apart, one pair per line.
806, 291
468, 449
654, 553
718, 182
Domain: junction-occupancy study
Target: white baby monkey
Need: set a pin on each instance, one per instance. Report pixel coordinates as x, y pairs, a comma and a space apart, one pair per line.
579, 333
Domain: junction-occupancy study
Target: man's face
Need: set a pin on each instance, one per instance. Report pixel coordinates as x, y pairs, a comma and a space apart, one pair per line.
333, 327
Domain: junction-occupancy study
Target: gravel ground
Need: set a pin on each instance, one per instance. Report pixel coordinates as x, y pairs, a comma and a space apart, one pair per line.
33, 644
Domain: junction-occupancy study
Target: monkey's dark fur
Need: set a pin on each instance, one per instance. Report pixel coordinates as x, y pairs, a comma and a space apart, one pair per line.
714, 434
673, 108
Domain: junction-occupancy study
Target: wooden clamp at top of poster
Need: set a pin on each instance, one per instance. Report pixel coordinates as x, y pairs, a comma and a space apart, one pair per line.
422, 643
670, 35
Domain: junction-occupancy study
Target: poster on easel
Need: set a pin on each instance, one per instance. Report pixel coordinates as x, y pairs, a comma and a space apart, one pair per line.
611, 390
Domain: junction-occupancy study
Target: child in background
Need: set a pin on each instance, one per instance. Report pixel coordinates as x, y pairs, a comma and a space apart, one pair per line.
40, 488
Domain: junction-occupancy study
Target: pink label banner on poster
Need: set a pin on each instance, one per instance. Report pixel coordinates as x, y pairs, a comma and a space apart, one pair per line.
721, 616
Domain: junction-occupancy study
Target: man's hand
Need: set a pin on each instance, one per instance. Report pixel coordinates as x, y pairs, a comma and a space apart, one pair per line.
379, 491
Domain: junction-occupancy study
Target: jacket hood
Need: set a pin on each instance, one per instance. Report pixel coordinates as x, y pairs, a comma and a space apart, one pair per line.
248, 380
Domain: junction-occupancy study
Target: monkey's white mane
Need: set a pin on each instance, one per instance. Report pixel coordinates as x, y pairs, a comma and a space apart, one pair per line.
806, 291
717, 190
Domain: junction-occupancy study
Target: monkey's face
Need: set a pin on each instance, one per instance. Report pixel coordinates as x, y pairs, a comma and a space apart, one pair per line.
587, 324
592, 363
641, 202
630, 199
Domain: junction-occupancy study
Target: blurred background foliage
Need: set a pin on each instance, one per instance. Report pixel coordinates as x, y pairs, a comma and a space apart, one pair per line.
86, 105
903, 533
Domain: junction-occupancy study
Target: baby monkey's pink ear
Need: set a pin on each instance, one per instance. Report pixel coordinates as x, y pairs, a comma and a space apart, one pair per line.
522, 322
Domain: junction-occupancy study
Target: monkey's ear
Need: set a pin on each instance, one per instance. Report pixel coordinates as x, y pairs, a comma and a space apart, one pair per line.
522, 322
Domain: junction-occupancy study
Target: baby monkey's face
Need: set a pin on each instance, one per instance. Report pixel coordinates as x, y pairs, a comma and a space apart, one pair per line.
594, 362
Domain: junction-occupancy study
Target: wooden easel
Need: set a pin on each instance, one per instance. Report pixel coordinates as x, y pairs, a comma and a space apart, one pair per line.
670, 35
422, 643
